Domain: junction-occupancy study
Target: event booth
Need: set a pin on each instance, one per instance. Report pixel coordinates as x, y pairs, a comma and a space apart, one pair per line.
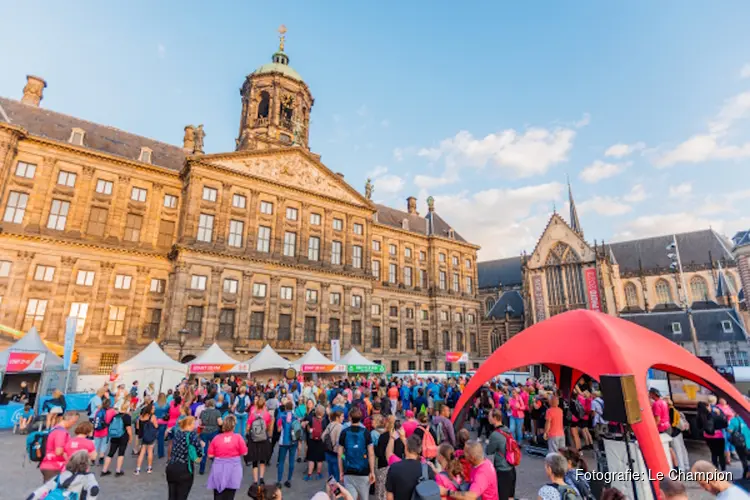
357, 363
314, 362
267, 362
30, 360
215, 361
152, 364
582, 342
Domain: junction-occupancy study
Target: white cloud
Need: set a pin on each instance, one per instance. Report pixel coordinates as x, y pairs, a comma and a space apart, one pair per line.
620, 150
389, 184
585, 120
607, 206
398, 154
712, 145
600, 170
503, 221
524, 154
429, 182
684, 189
161, 51
637, 193
745, 71
377, 171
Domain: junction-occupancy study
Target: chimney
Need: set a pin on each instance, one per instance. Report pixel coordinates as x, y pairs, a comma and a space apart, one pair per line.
32, 92
411, 205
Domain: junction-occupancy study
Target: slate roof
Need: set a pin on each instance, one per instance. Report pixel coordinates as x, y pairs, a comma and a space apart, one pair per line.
694, 250
493, 272
742, 238
58, 126
707, 324
510, 298
417, 224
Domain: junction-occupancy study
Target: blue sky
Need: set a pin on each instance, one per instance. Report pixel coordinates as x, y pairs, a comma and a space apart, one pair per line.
487, 107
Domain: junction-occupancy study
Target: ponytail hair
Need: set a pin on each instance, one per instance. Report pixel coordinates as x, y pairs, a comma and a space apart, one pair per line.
453, 467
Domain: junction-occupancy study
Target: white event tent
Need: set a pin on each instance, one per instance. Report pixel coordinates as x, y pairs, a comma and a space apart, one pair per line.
215, 360
314, 361
268, 359
151, 365
357, 363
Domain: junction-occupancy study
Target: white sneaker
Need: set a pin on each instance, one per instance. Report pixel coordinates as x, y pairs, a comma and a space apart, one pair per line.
136, 472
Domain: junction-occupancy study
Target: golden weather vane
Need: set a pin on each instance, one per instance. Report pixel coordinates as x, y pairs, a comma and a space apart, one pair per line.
282, 37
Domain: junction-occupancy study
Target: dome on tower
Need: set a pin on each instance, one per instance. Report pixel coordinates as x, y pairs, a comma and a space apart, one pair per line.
279, 62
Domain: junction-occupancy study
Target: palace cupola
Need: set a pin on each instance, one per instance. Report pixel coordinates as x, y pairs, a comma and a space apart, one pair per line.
276, 105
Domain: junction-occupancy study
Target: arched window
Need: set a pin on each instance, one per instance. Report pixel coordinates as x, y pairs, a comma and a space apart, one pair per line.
663, 292
495, 340
489, 302
732, 283
631, 295
446, 341
460, 341
473, 342
564, 276
698, 289
264, 105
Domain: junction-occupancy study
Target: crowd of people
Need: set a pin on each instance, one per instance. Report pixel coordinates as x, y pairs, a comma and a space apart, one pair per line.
374, 438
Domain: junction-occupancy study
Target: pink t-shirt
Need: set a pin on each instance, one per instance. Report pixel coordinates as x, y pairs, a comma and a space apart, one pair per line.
57, 438
77, 444
410, 426
484, 481
108, 416
660, 409
444, 481
227, 445
517, 407
265, 415
586, 404
174, 414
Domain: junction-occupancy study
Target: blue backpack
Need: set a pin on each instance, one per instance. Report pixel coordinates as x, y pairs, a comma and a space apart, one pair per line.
100, 420
60, 492
288, 430
241, 404
355, 450
116, 427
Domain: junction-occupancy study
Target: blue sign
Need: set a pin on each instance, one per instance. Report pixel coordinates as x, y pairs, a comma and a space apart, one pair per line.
70, 341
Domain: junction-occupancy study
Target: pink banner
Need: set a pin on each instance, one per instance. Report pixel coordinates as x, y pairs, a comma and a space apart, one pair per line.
456, 357
25, 362
539, 310
592, 288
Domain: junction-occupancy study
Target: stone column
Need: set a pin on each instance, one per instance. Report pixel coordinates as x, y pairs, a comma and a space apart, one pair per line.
152, 216
222, 220
325, 301
366, 320
190, 213
299, 314
304, 232
41, 197
346, 318
252, 222
272, 316
81, 207
136, 316
327, 237
119, 208
17, 286
277, 231
55, 327
212, 313
176, 305
100, 313
243, 303
8, 150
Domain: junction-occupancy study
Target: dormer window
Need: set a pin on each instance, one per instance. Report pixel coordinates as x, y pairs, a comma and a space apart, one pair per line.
76, 136
405, 224
726, 326
145, 155
451, 233
676, 328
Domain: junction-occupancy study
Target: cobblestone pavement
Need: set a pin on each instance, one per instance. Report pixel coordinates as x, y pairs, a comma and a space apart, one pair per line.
25, 477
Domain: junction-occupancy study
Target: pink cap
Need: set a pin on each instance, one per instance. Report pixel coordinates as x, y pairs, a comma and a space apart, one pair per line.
409, 413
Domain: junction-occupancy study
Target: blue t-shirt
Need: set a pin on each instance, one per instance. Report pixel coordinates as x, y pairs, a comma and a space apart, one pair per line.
404, 393
434, 390
27, 413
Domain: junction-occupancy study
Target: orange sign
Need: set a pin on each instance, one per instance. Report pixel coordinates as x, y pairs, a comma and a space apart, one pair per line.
25, 362
323, 368
219, 368
456, 357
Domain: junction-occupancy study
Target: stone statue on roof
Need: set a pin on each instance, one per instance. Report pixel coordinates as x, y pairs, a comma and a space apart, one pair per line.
198, 138
188, 141
369, 188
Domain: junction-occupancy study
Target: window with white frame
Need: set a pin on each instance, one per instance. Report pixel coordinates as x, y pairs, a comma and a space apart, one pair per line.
79, 310
230, 285
458, 318
392, 249
407, 252
5, 267
456, 282
209, 194
286, 293
422, 255
44, 273
676, 328
407, 276
423, 278
259, 289
138, 194
311, 296
443, 315
34, 316
470, 318
67, 179
334, 298
170, 201
116, 320
376, 310
198, 282
454, 260
376, 269
443, 280
266, 207
239, 201
16, 207
133, 224
357, 301
264, 239
726, 326
315, 219
145, 155
291, 213
158, 285
469, 284
123, 281
735, 357
76, 136
313, 248
25, 170
104, 187
409, 313
236, 233
336, 252
58, 215
425, 314
356, 256
338, 224
85, 278
205, 227
392, 273
376, 245
467, 263
358, 229
290, 244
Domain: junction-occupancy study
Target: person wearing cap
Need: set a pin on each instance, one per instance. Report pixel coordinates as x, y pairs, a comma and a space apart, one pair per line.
411, 424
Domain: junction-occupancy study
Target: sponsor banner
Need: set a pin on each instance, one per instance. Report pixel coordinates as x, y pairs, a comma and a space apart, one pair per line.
219, 368
592, 288
323, 368
70, 341
366, 368
456, 357
25, 362
538, 291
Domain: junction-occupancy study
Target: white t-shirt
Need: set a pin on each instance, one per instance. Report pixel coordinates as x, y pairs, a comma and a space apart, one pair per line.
733, 493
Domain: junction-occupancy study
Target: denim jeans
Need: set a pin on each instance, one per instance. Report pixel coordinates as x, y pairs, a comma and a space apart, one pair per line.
160, 440
241, 426
516, 428
284, 450
332, 461
101, 445
206, 437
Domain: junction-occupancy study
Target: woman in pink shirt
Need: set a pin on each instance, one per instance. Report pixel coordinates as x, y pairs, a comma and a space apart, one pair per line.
260, 451
517, 411
452, 473
102, 418
173, 415
55, 457
81, 442
729, 413
227, 450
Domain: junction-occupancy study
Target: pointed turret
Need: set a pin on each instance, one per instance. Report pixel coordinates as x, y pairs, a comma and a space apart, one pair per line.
575, 224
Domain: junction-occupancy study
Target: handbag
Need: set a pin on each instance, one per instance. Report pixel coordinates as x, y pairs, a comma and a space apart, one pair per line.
192, 453
737, 438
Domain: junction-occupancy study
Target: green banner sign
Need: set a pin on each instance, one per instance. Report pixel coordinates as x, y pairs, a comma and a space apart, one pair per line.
365, 368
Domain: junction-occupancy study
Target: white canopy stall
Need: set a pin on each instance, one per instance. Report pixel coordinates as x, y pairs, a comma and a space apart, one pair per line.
151, 365
357, 363
268, 360
315, 362
215, 360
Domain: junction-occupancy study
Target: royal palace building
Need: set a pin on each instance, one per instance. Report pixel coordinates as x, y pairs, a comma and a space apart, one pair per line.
139, 239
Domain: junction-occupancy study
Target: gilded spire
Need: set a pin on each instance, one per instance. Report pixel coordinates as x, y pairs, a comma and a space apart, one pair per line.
575, 224
282, 37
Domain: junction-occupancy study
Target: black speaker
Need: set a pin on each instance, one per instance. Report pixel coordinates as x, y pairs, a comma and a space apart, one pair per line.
620, 399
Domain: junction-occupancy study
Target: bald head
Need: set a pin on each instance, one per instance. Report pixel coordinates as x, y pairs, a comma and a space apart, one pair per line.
474, 452
673, 490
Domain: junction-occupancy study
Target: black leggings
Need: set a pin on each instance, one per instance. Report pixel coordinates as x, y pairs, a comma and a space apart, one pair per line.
743, 454
179, 481
716, 445
227, 494
485, 427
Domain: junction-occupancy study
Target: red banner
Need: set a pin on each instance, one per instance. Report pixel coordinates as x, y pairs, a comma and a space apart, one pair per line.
539, 311
25, 362
456, 357
592, 288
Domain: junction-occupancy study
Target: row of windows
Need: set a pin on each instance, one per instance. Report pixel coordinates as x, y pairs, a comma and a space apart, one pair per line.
698, 290
393, 251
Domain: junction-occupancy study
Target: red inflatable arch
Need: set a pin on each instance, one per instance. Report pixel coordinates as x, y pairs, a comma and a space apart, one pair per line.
596, 344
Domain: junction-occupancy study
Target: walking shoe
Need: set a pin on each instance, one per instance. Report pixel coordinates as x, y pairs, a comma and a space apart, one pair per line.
119, 473
288, 484
136, 472
105, 473
319, 476
306, 477
299, 460
278, 485
149, 470
262, 482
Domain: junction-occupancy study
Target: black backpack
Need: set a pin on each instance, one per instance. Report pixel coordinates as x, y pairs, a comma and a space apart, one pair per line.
578, 410
566, 492
720, 420
737, 438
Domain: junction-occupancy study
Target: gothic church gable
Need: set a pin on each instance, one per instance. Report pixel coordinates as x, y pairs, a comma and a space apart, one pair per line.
556, 244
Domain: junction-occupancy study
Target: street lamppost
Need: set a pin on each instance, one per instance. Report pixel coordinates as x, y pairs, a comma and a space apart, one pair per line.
182, 337
676, 266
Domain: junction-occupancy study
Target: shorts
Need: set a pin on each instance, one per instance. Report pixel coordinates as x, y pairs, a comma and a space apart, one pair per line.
506, 483
118, 446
